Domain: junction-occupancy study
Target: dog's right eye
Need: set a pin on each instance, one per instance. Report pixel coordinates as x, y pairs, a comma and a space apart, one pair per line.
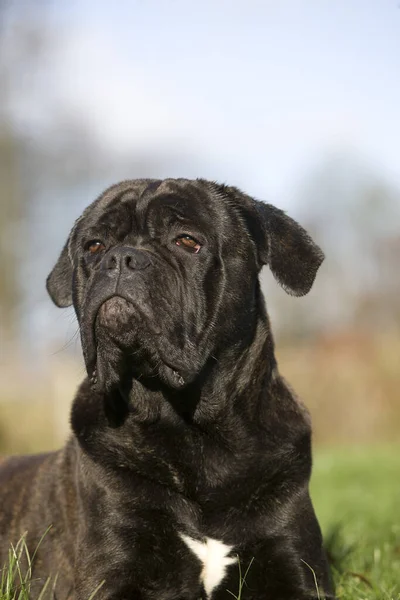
94, 246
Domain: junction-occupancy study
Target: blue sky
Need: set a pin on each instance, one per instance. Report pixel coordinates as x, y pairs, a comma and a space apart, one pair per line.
258, 91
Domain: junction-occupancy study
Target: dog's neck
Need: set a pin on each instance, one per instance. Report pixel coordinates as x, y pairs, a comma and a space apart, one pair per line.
219, 396
115, 424
217, 388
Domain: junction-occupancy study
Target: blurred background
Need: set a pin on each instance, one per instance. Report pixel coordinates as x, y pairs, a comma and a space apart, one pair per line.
296, 101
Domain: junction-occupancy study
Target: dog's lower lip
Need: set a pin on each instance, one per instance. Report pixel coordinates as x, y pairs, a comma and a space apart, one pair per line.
92, 358
155, 330
114, 301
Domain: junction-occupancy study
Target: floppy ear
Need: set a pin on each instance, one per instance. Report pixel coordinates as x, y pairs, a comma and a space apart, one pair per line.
288, 250
59, 282
282, 244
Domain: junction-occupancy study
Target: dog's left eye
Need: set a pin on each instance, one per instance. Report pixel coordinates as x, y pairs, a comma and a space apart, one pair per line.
188, 243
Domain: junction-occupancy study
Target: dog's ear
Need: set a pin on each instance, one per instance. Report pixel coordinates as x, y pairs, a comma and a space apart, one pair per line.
282, 244
59, 282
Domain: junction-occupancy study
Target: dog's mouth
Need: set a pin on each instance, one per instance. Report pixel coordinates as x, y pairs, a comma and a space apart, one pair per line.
114, 315
117, 317
114, 312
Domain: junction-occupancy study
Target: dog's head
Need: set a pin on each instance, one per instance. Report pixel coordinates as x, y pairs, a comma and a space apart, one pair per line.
162, 274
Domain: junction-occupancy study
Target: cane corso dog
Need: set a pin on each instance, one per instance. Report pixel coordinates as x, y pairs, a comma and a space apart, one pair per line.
187, 474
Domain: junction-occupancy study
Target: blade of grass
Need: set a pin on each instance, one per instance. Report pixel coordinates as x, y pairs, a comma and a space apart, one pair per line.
315, 578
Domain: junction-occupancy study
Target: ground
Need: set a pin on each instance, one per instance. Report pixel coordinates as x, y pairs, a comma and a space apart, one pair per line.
356, 493
357, 499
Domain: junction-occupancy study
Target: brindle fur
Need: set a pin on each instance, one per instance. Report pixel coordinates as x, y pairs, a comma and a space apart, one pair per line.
184, 424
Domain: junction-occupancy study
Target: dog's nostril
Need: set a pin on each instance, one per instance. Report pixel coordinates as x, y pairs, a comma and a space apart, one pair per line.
126, 259
137, 260
111, 262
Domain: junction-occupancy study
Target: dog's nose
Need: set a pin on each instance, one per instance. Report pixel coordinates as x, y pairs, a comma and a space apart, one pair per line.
125, 258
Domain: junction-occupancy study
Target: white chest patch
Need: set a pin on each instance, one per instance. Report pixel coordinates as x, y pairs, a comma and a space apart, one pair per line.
214, 556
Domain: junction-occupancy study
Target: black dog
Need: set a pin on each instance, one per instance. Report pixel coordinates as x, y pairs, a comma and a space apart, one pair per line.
187, 475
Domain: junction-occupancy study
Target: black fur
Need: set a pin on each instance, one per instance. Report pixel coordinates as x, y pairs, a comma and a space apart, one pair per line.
184, 425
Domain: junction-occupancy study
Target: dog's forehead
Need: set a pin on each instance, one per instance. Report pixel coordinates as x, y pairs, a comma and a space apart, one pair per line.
192, 198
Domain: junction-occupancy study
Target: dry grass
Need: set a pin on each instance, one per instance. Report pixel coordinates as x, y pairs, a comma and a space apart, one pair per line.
349, 381
34, 406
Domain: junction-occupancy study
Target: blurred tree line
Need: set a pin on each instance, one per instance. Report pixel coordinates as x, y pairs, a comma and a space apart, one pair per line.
354, 215
51, 150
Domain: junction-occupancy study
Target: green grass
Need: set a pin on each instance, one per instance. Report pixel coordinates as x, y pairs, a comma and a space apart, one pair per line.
16, 576
356, 494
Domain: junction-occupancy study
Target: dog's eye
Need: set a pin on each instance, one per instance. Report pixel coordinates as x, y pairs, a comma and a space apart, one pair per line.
188, 243
94, 246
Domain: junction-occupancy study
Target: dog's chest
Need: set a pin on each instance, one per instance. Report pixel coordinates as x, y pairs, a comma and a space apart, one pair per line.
214, 556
